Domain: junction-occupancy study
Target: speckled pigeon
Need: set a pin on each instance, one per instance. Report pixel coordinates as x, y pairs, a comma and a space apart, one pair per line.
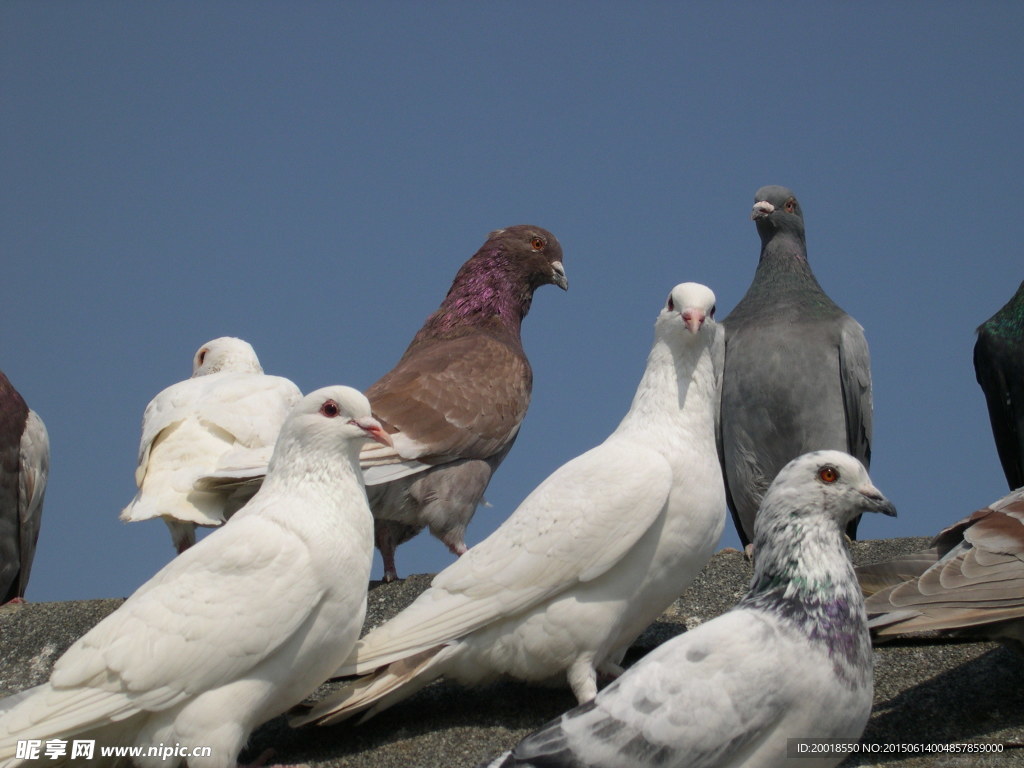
999, 365
24, 468
792, 659
455, 400
797, 372
591, 557
969, 583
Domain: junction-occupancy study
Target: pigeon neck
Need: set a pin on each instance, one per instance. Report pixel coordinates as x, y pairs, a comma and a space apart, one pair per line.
310, 468
487, 292
1009, 321
783, 277
675, 397
816, 590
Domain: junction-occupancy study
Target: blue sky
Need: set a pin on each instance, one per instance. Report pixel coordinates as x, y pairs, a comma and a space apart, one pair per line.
310, 175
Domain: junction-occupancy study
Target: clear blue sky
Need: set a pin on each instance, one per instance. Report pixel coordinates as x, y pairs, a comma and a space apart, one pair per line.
309, 176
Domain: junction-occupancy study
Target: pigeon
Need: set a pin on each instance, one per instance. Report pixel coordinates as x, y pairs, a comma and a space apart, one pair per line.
455, 400
591, 557
797, 375
24, 468
999, 365
192, 426
970, 583
791, 659
238, 628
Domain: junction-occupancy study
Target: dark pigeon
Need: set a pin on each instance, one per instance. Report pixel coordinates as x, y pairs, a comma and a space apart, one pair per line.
797, 372
999, 365
24, 466
791, 659
970, 583
455, 400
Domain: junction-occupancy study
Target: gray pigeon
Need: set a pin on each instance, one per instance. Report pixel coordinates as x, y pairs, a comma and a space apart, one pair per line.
455, 400
970, 582
797, 373
792, 659
24, 467
999, 366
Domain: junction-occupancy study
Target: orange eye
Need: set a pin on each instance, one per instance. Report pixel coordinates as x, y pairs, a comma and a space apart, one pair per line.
330, 409
537, 243
828, 474
790, 205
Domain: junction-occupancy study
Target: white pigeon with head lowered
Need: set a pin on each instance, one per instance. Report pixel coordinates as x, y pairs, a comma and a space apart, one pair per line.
238, 628
791, 660
188, 429
591, 557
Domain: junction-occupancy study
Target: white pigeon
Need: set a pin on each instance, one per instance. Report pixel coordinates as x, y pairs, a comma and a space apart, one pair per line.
192, 426
238, 628
591, 557
791, 660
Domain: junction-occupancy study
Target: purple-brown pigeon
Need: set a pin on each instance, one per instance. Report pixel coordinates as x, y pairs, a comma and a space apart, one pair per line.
455, 400
24, 467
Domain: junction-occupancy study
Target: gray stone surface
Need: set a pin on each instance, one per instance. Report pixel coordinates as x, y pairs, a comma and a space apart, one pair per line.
933, 692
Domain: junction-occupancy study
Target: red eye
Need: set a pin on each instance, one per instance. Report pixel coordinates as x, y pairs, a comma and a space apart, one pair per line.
790, 205
537, 243
330, 409
828, 474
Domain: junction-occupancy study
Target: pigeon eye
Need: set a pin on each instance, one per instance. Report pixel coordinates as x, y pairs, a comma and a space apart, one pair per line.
711, 314
201, 356
671, 304
330, 409
790, 205
828, 474
537, 243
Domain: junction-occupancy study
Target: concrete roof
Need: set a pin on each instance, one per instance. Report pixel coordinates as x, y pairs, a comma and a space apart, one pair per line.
931, 692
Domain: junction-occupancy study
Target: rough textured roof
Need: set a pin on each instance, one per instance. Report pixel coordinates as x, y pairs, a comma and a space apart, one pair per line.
925, 692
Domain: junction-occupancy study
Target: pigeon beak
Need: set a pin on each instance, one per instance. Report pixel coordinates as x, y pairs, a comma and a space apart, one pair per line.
877, 502
559, 278
762, 208
373, 430
694, 318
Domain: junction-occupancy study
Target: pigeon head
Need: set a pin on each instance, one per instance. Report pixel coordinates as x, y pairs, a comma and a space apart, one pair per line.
832, 484
335, 412
692, 303
533, 251
776, 210
496, 285
225, 354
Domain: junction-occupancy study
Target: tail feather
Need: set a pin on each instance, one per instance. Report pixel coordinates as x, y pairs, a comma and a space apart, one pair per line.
44, 713
379, 689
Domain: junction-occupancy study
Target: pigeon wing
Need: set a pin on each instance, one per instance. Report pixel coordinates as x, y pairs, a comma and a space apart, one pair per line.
451, 399
32, 477
244, 595
730, 667
572, 528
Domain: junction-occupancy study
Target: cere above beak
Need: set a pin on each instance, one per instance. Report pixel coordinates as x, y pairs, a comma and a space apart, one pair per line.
762, 208
693, 318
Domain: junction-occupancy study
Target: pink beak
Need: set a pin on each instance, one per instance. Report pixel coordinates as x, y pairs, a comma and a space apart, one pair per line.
373, 430
694, 318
